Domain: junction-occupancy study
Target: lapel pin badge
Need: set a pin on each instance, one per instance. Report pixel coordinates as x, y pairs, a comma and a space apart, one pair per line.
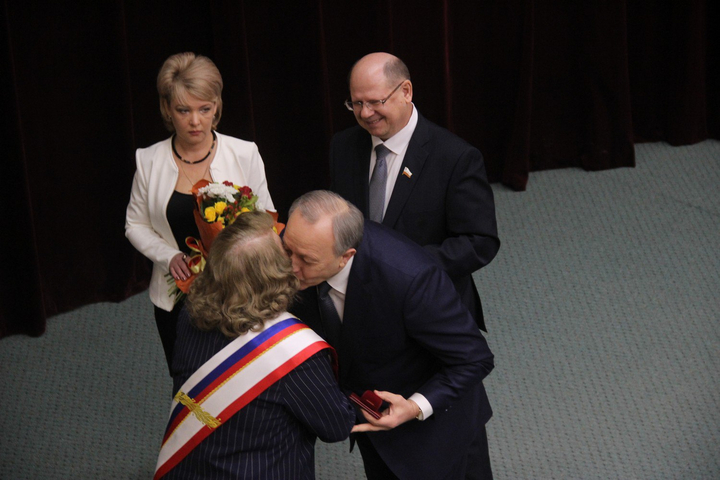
407, 172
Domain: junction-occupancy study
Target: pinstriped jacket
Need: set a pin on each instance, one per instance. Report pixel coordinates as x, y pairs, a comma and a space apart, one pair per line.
273, 437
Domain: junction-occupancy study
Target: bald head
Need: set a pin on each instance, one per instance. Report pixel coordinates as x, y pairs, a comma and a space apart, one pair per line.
384, 77
392, 68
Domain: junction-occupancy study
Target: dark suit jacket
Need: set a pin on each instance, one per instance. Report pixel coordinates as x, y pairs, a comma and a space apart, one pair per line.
446, 205
273, 437
405, 330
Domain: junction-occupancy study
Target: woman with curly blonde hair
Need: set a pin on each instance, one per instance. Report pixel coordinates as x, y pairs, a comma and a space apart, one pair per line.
235, 318
248, 279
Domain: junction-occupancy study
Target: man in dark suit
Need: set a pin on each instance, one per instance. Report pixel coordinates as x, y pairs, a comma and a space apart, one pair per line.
435, 188
399, 328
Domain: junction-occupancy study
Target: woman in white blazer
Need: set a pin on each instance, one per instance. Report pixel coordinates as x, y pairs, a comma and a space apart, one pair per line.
159, 216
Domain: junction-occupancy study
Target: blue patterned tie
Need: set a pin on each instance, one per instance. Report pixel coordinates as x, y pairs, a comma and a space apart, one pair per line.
377, 184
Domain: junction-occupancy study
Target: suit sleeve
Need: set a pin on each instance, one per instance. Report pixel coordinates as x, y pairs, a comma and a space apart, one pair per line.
313, 396
471, 241
437, 320
349, 167
338, 156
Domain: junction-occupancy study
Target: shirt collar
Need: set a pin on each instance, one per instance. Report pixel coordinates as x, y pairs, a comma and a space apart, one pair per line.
339, 281
401, 139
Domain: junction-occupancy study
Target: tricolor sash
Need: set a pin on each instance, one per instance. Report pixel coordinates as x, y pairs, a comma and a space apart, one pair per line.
231, 379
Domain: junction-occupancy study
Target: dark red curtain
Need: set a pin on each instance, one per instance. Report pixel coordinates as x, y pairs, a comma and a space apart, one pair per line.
533, 84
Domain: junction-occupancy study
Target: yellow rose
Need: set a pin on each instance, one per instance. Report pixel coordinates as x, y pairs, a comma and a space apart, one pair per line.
220, 207
244, 210
210, 214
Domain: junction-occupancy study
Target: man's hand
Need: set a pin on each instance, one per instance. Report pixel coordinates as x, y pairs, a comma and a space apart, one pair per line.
399, 412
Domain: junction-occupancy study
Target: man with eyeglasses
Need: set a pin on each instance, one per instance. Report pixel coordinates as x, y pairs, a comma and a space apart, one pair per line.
415, 177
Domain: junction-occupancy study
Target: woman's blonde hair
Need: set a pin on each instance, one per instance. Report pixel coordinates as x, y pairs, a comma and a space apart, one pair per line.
185, 74
248, 278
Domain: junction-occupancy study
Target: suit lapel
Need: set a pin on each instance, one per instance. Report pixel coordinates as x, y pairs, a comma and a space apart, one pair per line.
414, 161
356, 295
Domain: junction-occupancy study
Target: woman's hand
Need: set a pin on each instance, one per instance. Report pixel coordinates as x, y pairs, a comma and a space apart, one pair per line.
179, 268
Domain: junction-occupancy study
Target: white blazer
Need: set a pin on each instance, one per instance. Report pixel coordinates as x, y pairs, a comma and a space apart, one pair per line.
146, 224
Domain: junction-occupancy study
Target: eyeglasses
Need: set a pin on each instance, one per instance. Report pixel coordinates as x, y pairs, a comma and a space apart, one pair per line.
371, 104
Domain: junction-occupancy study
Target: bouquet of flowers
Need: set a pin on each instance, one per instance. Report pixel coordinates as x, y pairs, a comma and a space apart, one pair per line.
218, 205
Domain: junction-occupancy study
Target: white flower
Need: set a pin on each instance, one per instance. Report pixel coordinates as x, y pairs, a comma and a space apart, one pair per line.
218, 190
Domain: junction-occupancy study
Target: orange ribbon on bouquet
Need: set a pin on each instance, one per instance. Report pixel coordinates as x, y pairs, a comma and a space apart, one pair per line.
196, 264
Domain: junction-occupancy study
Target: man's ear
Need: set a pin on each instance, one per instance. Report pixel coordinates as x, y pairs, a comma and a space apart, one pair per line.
347, 256
407, 91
